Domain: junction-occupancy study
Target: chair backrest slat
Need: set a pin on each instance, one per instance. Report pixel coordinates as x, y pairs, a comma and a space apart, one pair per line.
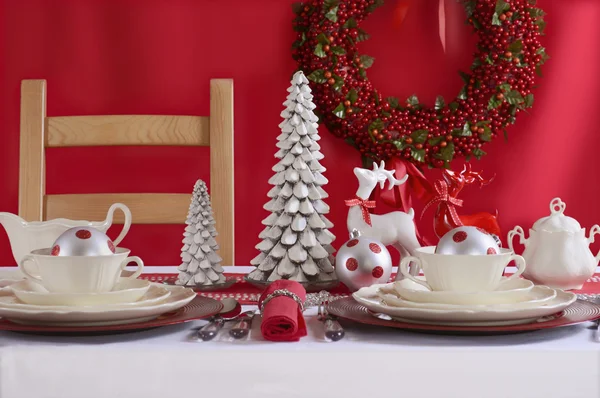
111, 130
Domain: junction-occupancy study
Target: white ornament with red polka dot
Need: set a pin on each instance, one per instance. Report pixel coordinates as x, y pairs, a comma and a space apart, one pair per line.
467, 240
362, 262
83, 241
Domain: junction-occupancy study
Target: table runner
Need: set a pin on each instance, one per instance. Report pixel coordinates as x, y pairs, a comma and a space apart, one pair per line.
246, 293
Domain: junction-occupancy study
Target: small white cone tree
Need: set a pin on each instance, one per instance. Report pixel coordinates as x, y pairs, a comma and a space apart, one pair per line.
200, 262
296, 241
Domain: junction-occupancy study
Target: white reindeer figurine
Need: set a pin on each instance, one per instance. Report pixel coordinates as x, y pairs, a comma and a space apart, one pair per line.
392, 229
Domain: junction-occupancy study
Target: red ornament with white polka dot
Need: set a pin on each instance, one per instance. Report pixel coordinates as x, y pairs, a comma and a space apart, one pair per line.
83, 241
467, 240
362, 262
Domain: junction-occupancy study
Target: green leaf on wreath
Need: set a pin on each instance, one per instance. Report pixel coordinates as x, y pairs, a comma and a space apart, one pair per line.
299, 43
529, 100
545, 57
466, 131
322, 39
393, 101
373, 6
487, 134
386, 114
377, 124
505, 135
494, 102
463, 93
367, 61
439, 102
489, 59
419, 136
412, 100
504, 87
476, 64
447, 152
495, 20
514, 97
362, 35
332, 14
340, 111
418, 154
317, 76
435, 140
298, 8
329, 4
337, 50
516, 47
516, 16
319, 51
453, 106
501, 7
350, 23
478, 153
541, 25
536, 12
400, 145
362, 73
476, 24
376, 97
465, 77
352, 96
470, 7
339, 82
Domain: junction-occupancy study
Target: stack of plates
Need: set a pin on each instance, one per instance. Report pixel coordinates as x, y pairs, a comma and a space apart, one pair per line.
131, 301
514, 302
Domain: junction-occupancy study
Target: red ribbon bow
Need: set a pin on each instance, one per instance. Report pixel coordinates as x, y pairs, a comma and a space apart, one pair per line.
365, 205
441, 189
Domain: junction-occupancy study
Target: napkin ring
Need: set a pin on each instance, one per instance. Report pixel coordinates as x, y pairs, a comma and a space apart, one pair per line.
285, 293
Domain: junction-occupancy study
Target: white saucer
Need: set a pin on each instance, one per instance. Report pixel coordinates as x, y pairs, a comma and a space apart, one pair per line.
12, 309
484, 316
509, 291
125, 291
537, 296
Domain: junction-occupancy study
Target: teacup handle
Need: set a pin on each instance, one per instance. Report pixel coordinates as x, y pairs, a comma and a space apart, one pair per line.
521, 265
405, 263
28, 257
516, 231
126, 224
140, 266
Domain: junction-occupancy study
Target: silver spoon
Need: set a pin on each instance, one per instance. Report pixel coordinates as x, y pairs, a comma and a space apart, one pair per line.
231, 309
242, 327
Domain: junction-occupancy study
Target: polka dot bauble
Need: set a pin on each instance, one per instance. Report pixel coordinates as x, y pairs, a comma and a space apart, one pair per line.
362, 262
83, 241
467, 240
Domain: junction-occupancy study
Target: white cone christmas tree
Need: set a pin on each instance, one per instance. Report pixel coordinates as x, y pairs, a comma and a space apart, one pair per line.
200, 262
296, 243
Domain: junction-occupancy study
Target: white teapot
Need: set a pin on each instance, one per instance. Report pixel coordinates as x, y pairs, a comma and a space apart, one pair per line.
557, 252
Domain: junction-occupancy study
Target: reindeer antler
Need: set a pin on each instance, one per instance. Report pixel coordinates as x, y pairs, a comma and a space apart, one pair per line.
383, 175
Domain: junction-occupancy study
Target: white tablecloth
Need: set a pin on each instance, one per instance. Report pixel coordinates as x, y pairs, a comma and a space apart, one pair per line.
368, 362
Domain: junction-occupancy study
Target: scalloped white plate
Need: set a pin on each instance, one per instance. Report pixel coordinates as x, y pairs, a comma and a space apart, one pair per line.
480, 316
509, 291
12, 309
126, 291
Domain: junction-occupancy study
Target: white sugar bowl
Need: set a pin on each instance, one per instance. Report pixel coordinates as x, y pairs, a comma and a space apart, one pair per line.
557, 251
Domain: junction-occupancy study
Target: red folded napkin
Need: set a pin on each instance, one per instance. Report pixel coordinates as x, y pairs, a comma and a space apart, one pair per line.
282, 318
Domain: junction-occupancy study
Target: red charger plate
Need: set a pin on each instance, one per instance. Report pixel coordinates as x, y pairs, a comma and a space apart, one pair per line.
198, 308
578, 312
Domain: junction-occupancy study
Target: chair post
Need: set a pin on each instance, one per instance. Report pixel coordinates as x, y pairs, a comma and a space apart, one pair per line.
32, 177
221, 165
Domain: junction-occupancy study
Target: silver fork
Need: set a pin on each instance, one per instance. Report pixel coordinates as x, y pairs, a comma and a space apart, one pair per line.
333, 330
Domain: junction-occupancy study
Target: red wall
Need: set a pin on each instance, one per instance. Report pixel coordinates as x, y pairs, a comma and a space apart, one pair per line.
157, 56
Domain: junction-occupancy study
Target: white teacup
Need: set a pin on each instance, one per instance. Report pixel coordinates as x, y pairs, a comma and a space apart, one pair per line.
79, 274
460, 272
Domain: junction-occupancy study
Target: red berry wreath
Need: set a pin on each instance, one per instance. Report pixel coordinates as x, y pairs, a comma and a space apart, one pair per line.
498, 87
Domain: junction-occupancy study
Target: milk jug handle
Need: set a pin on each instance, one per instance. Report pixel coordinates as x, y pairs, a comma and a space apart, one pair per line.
516, 231
126, 223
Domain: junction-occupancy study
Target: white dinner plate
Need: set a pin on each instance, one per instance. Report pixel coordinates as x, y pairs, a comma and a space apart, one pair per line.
486, 316
509, 291
125, 291
12, 309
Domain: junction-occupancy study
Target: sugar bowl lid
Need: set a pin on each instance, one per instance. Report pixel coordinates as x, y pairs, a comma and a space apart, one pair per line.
557, 221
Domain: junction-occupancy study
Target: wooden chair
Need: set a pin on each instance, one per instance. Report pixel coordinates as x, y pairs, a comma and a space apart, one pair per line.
39, 132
